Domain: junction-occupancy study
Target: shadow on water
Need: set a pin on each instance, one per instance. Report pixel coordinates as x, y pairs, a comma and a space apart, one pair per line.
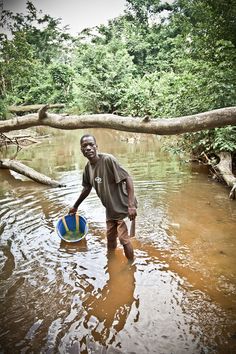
179, 295
105, 310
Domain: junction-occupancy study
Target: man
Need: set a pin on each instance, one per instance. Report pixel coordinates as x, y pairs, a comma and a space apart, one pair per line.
115, 189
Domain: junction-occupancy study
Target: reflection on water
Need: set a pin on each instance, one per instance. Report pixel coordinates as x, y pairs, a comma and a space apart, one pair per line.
177, 297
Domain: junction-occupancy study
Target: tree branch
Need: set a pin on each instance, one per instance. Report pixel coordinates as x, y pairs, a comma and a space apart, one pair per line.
32, 108
29, 172
42, 112
160, 126
225, 169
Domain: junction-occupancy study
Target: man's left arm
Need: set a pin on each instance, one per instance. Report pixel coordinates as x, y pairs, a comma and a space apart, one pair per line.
131, 198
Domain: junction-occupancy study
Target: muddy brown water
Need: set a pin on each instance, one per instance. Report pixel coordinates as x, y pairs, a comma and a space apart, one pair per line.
179, 295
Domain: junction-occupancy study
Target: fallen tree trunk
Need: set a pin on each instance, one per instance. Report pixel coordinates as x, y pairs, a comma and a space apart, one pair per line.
32, 108
202, 121
29, 172
225, 169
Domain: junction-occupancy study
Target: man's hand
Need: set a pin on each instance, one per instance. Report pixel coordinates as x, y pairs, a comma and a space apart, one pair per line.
72, 210
132, 213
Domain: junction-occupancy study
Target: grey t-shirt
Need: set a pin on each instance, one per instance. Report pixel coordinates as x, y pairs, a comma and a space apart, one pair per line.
108, 179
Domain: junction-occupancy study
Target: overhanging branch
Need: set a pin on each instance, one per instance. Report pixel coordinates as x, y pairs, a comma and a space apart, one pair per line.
213, 119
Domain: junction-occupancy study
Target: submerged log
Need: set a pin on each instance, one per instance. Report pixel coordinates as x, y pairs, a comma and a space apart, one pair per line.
225, 169
29, 172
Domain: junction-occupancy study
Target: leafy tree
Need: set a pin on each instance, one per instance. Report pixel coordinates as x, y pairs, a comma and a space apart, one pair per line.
145, 10
42, 32
159, 59
33, 59
103, 75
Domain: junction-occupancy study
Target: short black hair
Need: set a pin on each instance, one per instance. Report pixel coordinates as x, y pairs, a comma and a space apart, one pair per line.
87, 136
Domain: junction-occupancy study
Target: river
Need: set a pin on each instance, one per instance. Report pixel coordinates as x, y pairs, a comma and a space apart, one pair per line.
179, 295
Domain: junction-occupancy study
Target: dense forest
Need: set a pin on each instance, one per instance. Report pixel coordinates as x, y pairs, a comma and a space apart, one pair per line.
157, 60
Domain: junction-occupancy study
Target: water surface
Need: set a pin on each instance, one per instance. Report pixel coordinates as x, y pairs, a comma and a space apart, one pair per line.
179, 295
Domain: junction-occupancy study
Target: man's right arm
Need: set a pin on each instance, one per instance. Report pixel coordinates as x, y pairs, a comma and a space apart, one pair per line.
85, 192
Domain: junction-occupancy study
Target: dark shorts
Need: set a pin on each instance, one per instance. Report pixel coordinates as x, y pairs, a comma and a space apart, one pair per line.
117, 228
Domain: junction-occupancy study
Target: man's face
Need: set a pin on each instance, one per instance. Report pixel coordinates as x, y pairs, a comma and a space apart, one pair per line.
89, 148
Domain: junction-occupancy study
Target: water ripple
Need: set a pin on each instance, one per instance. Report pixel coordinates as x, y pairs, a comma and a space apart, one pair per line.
60, 297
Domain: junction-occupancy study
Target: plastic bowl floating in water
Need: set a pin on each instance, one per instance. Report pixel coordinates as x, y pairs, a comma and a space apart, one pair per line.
72, 228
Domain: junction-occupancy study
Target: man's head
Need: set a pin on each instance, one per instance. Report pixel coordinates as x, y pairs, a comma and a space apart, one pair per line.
88, 147
87, 136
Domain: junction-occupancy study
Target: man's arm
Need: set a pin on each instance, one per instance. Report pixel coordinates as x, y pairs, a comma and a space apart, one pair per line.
85, 192
131, 199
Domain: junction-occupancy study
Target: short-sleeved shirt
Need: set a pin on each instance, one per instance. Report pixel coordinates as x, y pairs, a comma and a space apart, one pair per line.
108, 179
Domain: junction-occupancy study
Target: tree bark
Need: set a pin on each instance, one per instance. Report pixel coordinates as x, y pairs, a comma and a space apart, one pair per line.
202, 121
225, 169
32, 108
29, 172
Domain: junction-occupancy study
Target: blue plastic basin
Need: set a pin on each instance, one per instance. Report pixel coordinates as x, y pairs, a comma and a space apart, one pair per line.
72, 228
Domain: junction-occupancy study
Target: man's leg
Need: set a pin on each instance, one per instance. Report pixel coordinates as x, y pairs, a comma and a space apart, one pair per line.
111, 234
129, 251
125, 239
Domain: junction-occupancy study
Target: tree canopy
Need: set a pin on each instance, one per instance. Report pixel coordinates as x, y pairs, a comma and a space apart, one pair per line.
158, 59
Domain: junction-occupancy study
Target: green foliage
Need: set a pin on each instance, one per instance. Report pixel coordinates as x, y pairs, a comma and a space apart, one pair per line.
61, 78
144, 10
158, 59
225, 139
194, 86
212, 141
32, 60
42, 32
103, 74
